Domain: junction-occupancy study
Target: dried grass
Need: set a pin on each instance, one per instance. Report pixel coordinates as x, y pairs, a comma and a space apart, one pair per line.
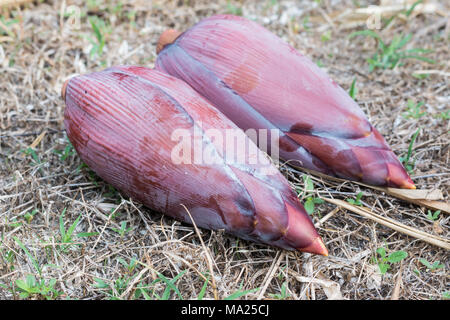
40, 51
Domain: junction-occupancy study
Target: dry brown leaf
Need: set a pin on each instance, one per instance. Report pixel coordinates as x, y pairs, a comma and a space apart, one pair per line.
398, 285
106, 207
423, 197
373, 276
332, 289
434, 205
437, 227
423, 194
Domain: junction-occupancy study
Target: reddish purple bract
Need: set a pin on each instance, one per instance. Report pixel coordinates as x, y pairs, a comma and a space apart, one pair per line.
259, 81
121, 122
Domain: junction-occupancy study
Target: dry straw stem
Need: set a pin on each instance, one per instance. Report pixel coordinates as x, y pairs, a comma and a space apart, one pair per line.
387, 9
391, 223
37, 140
208, 256
438, 72
5, 3
398, 284
422, 197
390, 10
426, 198
353, 17
273, 268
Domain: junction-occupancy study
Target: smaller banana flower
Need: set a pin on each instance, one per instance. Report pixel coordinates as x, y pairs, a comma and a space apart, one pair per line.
259, 81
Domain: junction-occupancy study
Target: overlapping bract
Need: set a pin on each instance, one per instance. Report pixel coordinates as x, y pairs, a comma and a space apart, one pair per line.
259, 81
121, 122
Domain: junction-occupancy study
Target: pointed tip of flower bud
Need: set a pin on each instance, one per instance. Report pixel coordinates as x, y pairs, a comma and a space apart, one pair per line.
63, 89
398, 178
408, 184
167, 37
316, 247
301, 233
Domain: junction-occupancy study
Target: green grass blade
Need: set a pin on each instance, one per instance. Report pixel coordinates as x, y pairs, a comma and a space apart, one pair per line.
410, 10
72, 227
403, 41
145, 294
33, 260
353, 89
96, 30
87, 234
239, 294
425, 59
411, 145
171, 285
62, 230
368, 33
203, 290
